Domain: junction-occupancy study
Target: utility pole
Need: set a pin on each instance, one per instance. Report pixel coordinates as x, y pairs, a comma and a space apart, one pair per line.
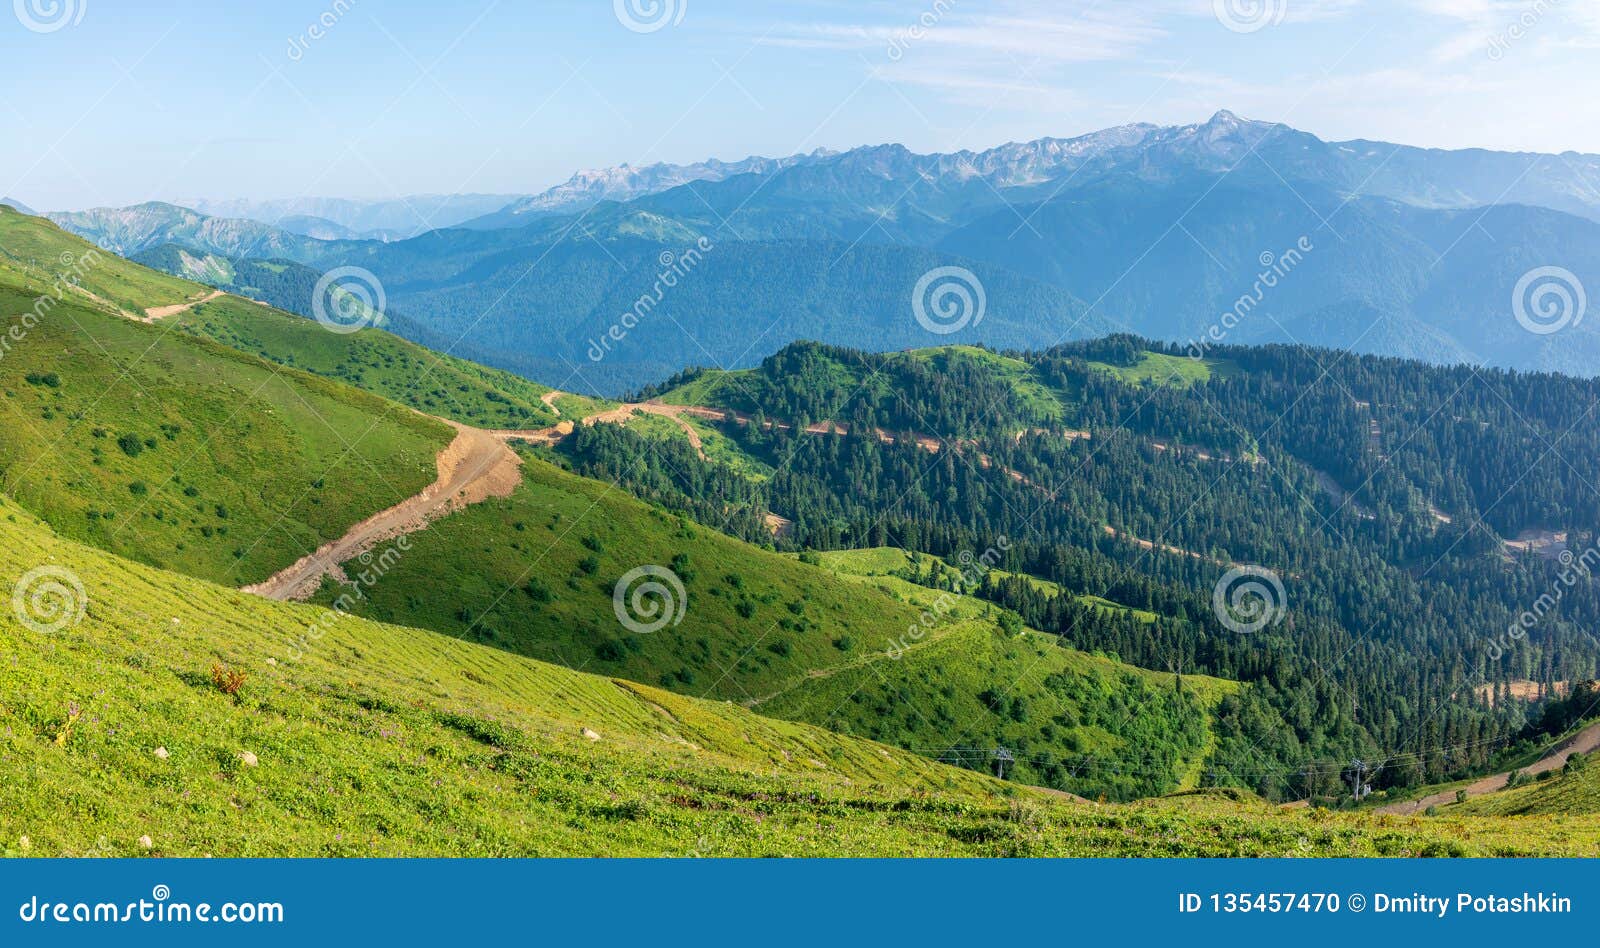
1002, 757
1358, 779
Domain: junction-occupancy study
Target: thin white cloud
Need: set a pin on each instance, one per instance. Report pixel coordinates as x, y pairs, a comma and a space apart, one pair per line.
1093, 36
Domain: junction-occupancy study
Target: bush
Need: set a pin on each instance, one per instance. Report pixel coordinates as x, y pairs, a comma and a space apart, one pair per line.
131, 445
227, 680
536, 590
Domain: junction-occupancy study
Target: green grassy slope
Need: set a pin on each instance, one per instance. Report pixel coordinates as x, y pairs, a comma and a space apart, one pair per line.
1155, 368
389, 741
1564, 792
377, 361
34, 254
182, 453
536, 573
1078, 722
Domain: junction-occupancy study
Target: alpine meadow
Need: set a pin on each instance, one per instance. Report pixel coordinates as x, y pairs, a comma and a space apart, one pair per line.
1049, 430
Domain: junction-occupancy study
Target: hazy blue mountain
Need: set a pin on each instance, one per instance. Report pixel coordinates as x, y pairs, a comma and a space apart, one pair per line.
320, 228
1370, 274
385, 219
887, 192
128, 230
546, 310
18, 206
625, 182
1156, 230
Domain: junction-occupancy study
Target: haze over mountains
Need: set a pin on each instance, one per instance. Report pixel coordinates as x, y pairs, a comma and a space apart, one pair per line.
1159, 230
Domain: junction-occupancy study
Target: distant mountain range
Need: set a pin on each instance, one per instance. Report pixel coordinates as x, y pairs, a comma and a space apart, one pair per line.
1251, 230
625, 182
345, 219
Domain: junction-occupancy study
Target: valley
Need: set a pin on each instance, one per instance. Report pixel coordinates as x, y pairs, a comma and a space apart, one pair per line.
219, 464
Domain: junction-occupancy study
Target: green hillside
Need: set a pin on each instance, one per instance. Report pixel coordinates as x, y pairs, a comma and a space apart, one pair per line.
179, 452
38, 256
384, 741
377, 361
536, 573
287, 285
35, 255
1077, 722
1568, 792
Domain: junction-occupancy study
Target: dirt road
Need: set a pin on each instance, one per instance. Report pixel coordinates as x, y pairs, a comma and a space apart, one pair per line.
154, 313
478, 465
475, 466
1583, 742
614, 416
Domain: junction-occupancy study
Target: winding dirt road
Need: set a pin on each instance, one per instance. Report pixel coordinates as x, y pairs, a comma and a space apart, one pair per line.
154, 313
478, 465
1585, 741
475, 466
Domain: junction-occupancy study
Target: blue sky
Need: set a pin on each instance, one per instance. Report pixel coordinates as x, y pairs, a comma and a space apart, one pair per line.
180, 99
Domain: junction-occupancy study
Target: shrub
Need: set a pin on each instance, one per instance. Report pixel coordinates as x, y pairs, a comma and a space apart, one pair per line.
131, 445
537, 590
227, 680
